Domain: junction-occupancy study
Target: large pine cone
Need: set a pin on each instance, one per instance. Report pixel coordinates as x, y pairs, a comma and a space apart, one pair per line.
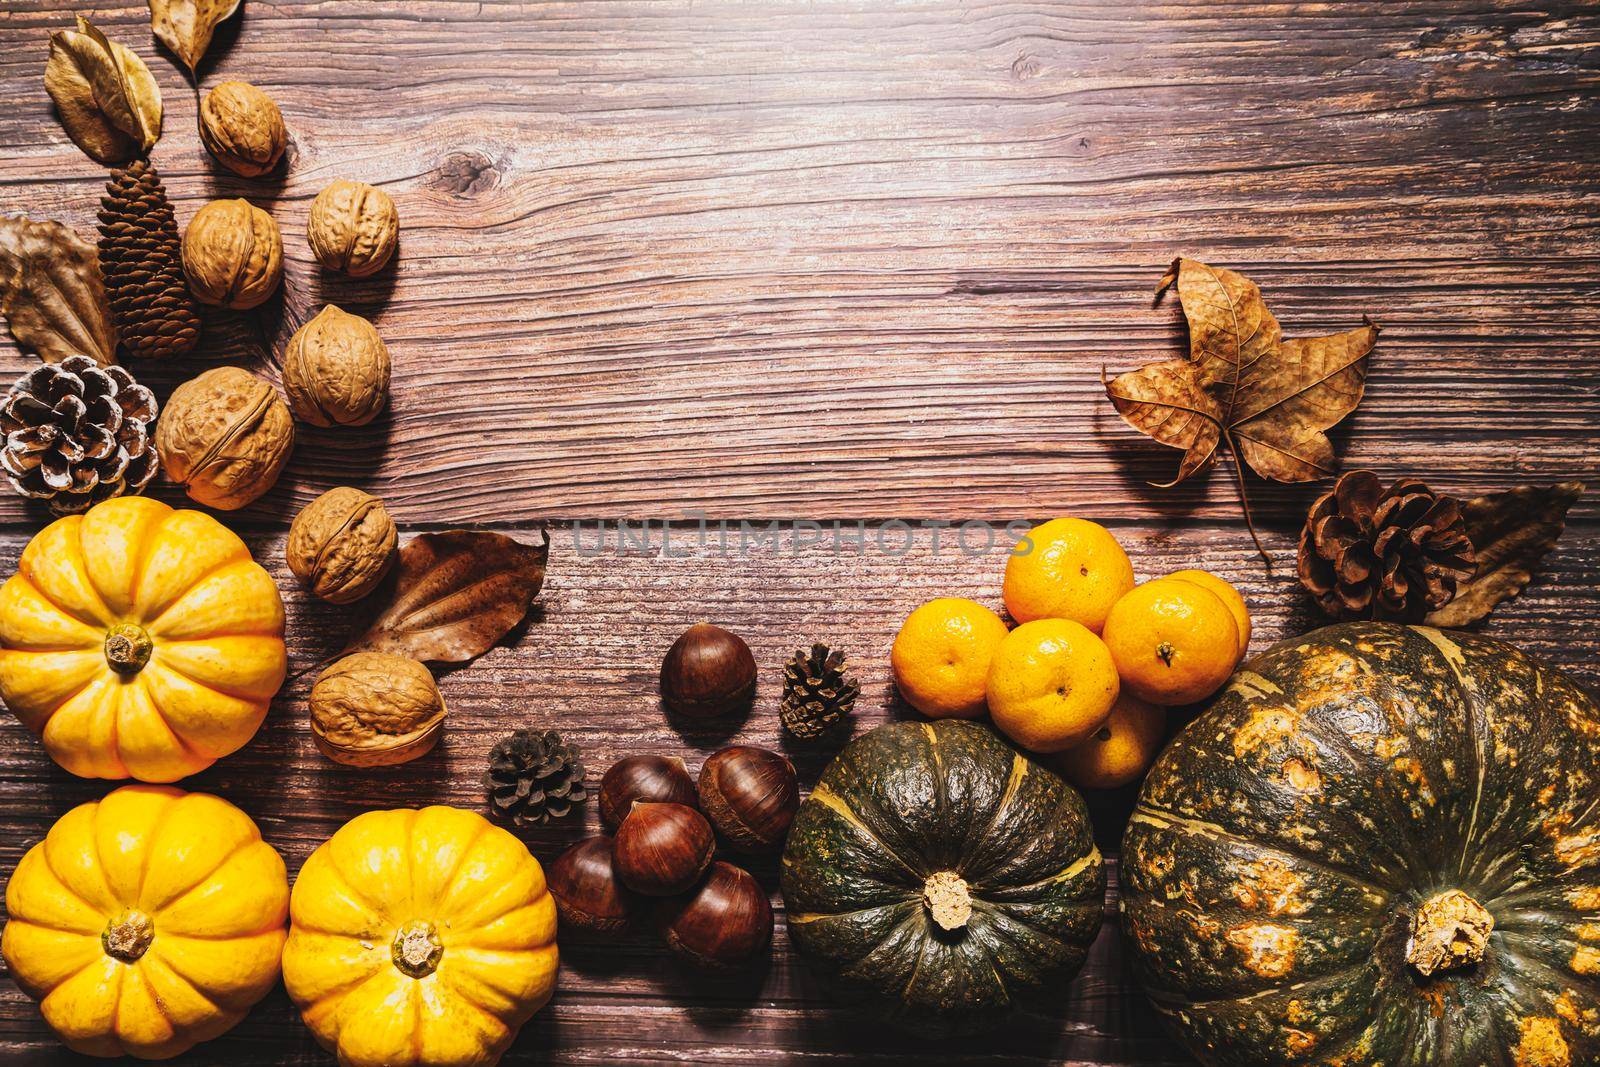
533, 777
817, 692
141, 261
1371, 553
77, 433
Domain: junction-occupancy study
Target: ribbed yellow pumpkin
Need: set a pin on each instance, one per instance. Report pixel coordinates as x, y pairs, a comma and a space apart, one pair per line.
420, 939
139, 641
146, 922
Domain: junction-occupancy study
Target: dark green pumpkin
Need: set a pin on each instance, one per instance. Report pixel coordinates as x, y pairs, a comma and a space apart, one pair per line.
1315, 863
942, 876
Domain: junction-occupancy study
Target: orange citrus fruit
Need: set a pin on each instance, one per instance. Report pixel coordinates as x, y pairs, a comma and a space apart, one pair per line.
1121, 750
1228, 595
1052, 684
1066, 569
1174, 642
941, 657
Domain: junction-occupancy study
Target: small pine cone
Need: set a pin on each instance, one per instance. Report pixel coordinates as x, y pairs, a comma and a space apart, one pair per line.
817, 692
141, 261
1371, 553
533, 777
77, 433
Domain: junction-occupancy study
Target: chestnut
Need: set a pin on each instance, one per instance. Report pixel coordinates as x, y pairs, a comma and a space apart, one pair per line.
588, 896
722, 924
750, 795
655, 778
707, 672
662, 849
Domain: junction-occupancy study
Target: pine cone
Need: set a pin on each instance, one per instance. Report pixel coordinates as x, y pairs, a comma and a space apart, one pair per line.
1367, 553
817, 693
533, 777
77, 433
140, 259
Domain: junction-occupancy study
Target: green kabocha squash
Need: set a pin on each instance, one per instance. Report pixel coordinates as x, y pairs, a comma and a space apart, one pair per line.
940, 874
1380, 846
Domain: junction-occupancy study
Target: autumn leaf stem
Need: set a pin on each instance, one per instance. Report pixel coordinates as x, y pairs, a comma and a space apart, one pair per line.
1244, 497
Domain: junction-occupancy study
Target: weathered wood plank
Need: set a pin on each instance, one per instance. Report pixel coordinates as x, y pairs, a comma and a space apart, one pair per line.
852, 258
587, 666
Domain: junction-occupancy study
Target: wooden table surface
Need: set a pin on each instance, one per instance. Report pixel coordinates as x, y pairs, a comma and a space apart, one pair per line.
846, 260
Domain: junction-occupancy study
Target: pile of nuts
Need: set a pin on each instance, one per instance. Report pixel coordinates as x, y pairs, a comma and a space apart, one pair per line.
226, 440
660, 854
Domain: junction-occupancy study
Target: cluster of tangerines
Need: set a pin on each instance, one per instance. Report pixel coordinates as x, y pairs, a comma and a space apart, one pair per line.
1094, 661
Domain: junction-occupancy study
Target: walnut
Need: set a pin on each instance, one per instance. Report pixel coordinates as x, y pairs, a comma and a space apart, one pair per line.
353, 227
336, 370
371, 709
225, 437
342, 544
232, 254
243, 128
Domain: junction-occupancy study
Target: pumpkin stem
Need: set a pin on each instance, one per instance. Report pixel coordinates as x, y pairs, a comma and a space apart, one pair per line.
127, 648
417, 949
1450, 930
945, 896
128, 936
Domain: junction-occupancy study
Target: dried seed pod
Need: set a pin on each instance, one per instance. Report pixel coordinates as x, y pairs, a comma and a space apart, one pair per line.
750, 795
371, 709
723, 924
353, 227
232, 255
707, 672
589, 896
663, 779
225, 437
662, 849
342, 544
242, 128
336, 370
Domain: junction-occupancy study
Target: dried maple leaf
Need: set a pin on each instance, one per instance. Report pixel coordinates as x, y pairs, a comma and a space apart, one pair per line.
51, 292
453, 595
107, 99
186, 26
1510, 532
1243, 385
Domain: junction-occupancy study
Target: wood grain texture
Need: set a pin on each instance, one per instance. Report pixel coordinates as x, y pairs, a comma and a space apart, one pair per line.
846, 258
587, 665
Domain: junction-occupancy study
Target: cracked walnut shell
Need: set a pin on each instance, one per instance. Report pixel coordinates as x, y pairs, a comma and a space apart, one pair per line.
232, 255
336, 370
342, 544
372, 709
243, 129
353, 227
225, 437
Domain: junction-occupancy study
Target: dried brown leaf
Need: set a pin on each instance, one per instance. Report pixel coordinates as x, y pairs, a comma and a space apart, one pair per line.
453, 595
1243, 385
1511, 533
186, 26
51, 292
108, 100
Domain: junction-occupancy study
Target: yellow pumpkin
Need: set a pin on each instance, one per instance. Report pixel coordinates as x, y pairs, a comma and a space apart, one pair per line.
420, 938
146, 922
139, 641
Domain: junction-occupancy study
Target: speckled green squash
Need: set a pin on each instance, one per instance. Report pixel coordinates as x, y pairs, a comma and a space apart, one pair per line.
1380, 846
943, 877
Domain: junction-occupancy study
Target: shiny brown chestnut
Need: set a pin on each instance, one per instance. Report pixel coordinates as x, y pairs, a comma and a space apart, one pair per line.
662, 779
708, 672
662, 849
750, 795
588, 895
723, 924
